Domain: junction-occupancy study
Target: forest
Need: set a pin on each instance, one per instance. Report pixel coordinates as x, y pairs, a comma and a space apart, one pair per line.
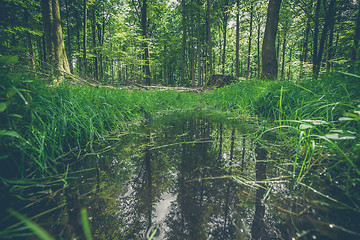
181, 119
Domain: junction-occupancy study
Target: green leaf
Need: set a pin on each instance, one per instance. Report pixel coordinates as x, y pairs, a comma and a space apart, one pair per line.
305, 126
11, 92
341, 135
346, 119
86, 224
3, 107
355, 116
8, 59
9, 133
4, 156
315, 122
15, 115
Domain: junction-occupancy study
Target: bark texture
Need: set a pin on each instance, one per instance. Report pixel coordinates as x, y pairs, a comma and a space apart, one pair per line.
269, 61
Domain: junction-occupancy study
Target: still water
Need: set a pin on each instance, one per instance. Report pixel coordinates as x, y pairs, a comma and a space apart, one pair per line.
197, 177
187, 177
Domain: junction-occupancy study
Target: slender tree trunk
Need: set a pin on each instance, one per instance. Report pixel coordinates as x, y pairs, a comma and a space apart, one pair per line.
144, 27
68, 36
199, 43
41, 50
357, 37
269, 63
303, 55
224, 45
328, 20
183, 43
278, 50
250, 35
30, 45
283, 55
100, 33
84, 40
316, 34
31, 51
258, 50
237, 47
330, 48
192, 50
289, 72
93, 29
79, 62
208, 30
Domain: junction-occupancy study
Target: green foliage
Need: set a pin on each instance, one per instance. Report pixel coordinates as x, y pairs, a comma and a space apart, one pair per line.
39, 231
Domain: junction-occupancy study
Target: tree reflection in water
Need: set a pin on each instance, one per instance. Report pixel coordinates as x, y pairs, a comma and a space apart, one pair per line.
175, 177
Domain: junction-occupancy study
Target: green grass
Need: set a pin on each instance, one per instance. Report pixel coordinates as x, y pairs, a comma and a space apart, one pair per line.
63, 120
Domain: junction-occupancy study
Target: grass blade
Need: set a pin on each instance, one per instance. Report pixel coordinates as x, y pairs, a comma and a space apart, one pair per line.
39, 231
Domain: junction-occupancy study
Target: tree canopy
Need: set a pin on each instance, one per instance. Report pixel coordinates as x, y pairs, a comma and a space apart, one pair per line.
182, 42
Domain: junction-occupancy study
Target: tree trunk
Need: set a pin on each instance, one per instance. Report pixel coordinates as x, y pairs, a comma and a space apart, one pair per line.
183, 43
269, 63
316, 34
84, 41
250, 35
237, 48
79, 62
53, 35
258, 51
199, 43
47, 18
60, 53
164, 65
330, 48
192, 50
283, 56
93, 29
357, 37
289, 72
224, 45
146, 57
208, 30
329, 18
68, 36
303, 55
30, 45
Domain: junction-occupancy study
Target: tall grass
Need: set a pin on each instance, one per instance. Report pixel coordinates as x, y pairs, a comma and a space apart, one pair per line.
63, 120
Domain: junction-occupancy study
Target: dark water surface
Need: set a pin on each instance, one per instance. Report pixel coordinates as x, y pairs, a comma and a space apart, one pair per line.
198, 178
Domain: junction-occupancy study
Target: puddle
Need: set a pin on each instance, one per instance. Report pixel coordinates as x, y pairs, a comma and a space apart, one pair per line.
197, 178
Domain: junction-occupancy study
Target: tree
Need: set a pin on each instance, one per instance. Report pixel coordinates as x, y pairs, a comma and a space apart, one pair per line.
237, 47
183, 52
53, 35
144, 28
269, 62
329, 20
208, 32
357, 35
250, 35
84, 38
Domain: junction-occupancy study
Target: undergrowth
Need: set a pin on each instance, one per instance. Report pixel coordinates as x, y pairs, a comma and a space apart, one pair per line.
40, 123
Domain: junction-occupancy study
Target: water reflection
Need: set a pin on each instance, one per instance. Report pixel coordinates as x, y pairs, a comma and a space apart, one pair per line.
173, 181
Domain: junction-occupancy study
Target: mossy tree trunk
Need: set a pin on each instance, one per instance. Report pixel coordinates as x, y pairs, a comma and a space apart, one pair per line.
53, 36
269, 61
